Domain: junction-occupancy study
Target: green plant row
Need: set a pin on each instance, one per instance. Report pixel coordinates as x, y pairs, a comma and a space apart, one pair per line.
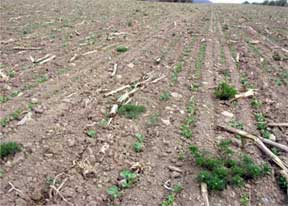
200, 59
190, 121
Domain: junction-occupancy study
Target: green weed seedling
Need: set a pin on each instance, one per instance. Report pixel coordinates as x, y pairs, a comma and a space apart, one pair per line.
244, 200
42, 79
283, 184
131, 111
139, 137
256, 104
129, 178
91, 133
121, 49
276, 57
177, 69
3, 99
200, 59
186, 131
169, 201
262, 125
1, 173
153, 119
12, 74
138, 147
9, 148
165, 96
4, 121
177, 188
114, 192
225, 92
221, 170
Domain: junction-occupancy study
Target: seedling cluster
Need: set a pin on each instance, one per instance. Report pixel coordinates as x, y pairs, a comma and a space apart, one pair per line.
131, 111
225, 92
223, 170
165, 96
177, 69
9, 148
139, 144
128, 178
13, 116
121, 49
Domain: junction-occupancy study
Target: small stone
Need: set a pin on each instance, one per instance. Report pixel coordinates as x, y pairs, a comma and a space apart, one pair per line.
179, 164
227, 114
20, 202
131, 65
71, 142
176, 95
34, 101
272, 137
175, 174
68, 192
166, 121
38, 110
36, 195
175, 169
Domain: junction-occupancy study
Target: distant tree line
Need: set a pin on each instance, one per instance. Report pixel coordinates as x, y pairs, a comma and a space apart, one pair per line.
177, 1
271, 3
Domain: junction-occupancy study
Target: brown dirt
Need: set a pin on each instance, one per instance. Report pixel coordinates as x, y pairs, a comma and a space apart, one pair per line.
69, 97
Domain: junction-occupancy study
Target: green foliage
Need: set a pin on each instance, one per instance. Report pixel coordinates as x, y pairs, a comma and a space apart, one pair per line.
12, 74
276, 57
185, 131
283, 184
177, 188
165, 96
122, 49
4, 121
9, 148
200, 59
262, 125
1, 173
225, 27
177, 69
91, 133
244, 200
153, 119
220, 171
256, 103
128, 178
114, 192
131, 111
139, 137
169, 201
3, 99
42, 79
16, 114
138, 147
225, 91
